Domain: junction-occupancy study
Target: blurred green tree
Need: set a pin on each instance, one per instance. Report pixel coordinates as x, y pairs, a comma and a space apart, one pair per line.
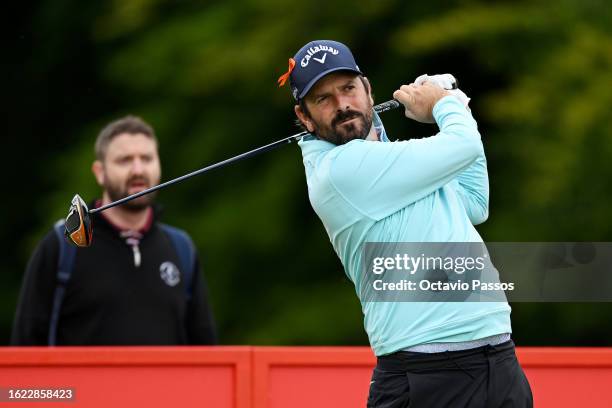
204, 75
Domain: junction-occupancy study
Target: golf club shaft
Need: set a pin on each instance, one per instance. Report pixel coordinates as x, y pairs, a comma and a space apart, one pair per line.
383, 107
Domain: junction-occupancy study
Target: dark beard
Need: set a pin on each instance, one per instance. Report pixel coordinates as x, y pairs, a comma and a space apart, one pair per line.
339, 134
118, 192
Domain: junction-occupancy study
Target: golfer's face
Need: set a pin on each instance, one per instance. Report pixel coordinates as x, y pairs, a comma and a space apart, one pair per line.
340, 108
131, 165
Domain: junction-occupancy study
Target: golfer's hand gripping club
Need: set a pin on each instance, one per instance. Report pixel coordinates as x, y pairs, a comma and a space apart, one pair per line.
419, 100
420, 96
78, 225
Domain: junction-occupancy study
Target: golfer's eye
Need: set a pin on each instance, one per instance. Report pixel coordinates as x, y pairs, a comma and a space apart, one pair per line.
349, 87
321, 99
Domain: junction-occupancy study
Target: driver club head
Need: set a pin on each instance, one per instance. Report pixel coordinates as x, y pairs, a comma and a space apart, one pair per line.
78, 228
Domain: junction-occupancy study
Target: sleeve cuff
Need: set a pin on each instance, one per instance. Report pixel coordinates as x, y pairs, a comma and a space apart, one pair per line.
447, 103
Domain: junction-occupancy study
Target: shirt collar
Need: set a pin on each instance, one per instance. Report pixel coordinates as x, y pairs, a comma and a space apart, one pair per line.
143, 230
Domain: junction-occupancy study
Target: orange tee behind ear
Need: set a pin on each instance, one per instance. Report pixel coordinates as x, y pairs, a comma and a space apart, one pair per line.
283, 78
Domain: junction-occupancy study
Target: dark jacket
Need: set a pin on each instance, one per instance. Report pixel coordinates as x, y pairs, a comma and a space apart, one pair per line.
109, 300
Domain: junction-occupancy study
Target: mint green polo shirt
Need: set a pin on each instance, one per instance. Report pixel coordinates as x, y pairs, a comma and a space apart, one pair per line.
433, 189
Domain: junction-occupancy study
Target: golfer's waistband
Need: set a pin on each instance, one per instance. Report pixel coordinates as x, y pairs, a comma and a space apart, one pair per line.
458, 346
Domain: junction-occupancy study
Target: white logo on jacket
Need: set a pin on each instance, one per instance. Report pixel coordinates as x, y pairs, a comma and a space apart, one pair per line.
170, 273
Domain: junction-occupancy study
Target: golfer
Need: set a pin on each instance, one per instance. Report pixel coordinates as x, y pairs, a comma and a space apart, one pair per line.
367, 189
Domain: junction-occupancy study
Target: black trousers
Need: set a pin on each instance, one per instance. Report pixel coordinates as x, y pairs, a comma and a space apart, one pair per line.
484, 377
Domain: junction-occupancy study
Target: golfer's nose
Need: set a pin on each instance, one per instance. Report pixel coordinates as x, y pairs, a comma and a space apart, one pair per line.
342, 103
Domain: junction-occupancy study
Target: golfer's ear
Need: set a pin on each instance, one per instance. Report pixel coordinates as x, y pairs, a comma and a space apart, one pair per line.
303, 118
98, 171
368, 89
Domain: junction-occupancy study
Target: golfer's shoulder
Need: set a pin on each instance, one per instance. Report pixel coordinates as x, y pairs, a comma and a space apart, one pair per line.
316, 156
335, 168
354, 159
326, 162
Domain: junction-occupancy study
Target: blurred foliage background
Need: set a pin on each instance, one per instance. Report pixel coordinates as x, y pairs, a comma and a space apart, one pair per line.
204, 74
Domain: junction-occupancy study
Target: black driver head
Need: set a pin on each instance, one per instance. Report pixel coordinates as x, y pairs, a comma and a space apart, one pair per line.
78, 227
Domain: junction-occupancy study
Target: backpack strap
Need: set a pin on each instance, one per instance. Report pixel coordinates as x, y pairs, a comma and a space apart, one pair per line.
65, 265
186, 253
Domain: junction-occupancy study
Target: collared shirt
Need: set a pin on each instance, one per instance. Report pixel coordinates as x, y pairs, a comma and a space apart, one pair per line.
433, 189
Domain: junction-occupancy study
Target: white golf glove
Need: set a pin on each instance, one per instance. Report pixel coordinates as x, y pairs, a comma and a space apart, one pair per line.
445, 81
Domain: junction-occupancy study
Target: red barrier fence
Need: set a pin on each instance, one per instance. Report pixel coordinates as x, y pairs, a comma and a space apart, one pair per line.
263, 377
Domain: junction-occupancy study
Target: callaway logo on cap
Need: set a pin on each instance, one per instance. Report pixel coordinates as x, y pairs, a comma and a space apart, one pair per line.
315, 60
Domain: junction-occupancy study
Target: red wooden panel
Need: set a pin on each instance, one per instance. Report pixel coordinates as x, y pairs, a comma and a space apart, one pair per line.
133, 386
301, 377
134, 376
568, 376
571, 387
266, 377
307, 387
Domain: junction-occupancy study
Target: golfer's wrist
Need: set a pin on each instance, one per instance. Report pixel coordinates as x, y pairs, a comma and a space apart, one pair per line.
446, 104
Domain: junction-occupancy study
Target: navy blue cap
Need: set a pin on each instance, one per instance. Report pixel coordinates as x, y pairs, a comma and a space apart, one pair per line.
317, 59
